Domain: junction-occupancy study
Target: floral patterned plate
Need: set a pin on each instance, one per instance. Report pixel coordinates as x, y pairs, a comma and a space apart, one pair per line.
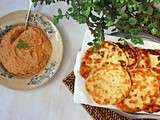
19, 83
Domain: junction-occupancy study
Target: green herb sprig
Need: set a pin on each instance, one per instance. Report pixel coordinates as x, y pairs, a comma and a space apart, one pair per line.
127, 16
21, 44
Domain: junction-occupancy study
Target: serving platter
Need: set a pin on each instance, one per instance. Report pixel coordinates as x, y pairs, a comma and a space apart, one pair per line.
80, 94
43, 22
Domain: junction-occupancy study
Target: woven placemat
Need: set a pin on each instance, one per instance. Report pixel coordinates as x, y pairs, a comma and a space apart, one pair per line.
95, 112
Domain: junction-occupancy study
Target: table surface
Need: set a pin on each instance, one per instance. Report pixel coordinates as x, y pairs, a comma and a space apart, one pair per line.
52, 101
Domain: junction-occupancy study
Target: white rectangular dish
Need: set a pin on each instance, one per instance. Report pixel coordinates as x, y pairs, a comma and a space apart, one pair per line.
80, 95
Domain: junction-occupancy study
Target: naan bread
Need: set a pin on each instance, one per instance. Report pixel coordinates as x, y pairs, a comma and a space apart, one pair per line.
145, 87
109, 84
154, 57
143, 58
131, 55
107, 53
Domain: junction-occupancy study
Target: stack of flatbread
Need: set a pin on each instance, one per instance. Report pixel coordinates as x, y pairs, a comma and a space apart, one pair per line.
124, 76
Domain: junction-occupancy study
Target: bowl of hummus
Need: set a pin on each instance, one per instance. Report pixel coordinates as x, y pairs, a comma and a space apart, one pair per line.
28, 57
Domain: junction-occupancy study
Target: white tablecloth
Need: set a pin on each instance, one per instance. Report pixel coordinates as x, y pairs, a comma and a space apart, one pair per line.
52, 101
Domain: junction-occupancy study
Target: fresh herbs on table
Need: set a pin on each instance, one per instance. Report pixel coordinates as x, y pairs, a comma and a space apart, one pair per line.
127, 16
21, 44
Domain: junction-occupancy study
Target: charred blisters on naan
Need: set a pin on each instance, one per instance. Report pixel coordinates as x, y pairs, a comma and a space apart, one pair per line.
107, 53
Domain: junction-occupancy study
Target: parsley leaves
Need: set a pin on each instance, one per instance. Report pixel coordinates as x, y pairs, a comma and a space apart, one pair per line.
21, 44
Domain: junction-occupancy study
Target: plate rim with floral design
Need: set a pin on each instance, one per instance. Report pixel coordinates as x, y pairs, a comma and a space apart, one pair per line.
39, 20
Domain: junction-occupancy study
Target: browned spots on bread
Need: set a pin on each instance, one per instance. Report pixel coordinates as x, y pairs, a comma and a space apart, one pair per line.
143, 66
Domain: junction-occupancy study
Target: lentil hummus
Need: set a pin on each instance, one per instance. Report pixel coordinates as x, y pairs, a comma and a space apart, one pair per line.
29, 58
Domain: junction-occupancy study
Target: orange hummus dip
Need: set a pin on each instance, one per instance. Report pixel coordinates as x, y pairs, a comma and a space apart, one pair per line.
29, 60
